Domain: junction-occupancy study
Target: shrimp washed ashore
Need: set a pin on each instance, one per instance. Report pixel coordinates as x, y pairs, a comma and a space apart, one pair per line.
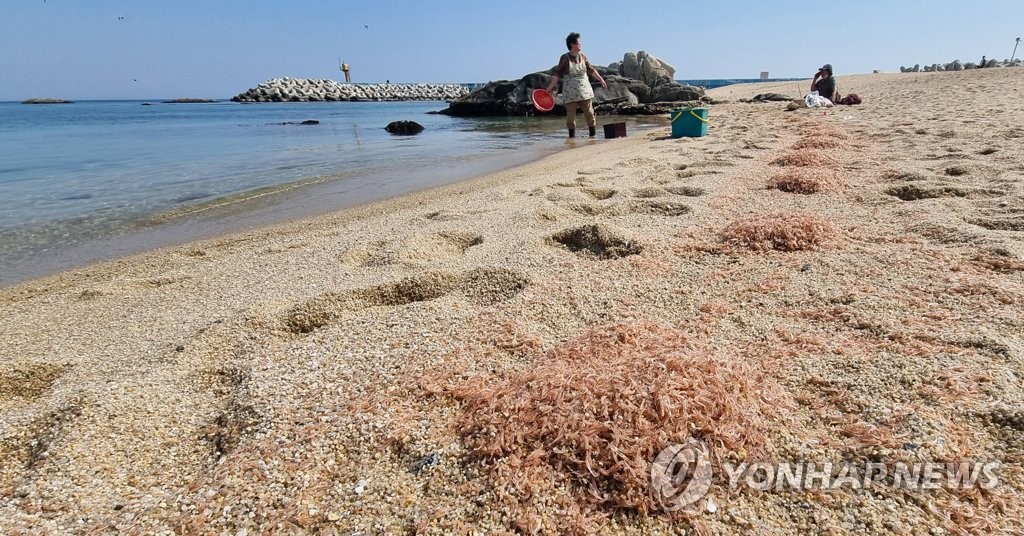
509, 354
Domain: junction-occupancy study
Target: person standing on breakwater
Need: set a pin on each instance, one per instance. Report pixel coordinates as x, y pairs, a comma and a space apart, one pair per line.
576, 90
982, 65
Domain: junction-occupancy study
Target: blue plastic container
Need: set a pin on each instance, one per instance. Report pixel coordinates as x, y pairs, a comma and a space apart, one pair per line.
689, 122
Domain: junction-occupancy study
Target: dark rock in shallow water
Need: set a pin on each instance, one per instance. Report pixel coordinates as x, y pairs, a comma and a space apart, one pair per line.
188, 101
306, 122
46, 101
404, 128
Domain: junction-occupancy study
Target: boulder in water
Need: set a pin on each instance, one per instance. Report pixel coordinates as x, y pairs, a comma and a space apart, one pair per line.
404, 128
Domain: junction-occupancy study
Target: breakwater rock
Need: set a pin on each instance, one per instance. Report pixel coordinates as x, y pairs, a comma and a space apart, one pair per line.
955, 65
315, 90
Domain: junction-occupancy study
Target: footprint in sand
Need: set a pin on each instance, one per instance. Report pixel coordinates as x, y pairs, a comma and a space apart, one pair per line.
904, 176
642, 162
444, 215
485, 286
372, 254
916, 191
27, 380
943, 234
446, 244
652, 192
237, 417
588, 209
648, 192
282, 248
999, 224
413, 251
657, 208
90, 294
686, 191
600, 193
157, 282
595, 240
38, 437
687, 173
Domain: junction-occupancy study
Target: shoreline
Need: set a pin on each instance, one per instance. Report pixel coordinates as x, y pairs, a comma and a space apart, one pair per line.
228, 215
137, 249
508, 352
276, 204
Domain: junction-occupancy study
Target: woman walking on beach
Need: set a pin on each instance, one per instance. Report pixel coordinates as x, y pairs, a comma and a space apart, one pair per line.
576, 90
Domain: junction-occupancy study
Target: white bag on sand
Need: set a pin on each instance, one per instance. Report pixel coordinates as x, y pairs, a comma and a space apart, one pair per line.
813, 100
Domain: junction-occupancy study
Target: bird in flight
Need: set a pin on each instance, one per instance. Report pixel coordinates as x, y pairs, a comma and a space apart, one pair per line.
366, 26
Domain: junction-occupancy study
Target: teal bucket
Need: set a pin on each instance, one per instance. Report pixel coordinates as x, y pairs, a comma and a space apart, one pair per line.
689, 122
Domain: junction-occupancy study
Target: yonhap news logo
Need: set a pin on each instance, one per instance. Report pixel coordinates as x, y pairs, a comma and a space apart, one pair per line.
682, 474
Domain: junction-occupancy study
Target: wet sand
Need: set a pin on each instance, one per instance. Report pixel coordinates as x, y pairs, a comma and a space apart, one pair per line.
508, 354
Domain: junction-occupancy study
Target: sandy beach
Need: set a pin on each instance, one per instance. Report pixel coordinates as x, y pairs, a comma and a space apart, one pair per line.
509, 354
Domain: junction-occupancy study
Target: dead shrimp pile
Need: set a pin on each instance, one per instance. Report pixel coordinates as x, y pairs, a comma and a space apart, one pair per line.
779, 231
598, 409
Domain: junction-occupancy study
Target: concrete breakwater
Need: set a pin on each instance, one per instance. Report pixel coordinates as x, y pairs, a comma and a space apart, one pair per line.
314, 90
955, 65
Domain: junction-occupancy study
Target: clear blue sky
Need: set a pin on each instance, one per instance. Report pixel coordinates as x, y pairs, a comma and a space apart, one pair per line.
83, 49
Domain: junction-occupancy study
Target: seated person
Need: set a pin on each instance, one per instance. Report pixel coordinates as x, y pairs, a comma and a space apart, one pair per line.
824, 83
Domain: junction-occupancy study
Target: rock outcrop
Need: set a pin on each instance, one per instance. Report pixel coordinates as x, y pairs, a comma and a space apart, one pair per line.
639, 84
46, 101
644, 67
404, 128
314, 90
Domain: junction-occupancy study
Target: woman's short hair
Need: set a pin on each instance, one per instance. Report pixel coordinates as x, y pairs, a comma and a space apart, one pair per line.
571, 40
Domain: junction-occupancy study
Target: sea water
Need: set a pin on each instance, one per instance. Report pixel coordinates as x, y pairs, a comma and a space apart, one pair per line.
94, 180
